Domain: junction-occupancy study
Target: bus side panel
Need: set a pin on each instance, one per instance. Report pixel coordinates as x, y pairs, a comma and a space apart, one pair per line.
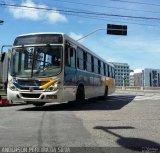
94, 84
69, 88
110, 82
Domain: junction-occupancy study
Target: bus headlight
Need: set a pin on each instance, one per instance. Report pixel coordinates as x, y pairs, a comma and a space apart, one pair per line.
53, 87
12, 87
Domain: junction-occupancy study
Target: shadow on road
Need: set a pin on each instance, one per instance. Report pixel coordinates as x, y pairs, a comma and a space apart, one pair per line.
112, 103
136, 144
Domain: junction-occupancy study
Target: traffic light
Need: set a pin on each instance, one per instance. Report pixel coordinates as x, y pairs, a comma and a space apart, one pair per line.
113, 29
1, 22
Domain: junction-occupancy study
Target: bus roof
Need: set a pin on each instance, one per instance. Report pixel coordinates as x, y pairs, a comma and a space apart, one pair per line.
73, 41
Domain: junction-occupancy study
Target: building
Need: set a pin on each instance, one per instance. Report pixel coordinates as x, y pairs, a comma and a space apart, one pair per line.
136, 78
151, 77
122, 72
146, 78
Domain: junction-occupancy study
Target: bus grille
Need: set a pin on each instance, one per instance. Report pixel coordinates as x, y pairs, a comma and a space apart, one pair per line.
26, 95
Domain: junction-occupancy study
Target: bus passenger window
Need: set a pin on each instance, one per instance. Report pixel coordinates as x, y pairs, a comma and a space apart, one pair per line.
88, 63
106, 66
99, 67
92, 63
80, 59
70, 57
95, 65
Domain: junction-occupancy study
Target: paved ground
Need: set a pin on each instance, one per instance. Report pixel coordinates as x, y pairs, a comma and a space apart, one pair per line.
129, 120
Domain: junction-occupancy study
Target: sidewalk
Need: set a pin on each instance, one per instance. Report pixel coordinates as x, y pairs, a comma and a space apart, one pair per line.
139, 91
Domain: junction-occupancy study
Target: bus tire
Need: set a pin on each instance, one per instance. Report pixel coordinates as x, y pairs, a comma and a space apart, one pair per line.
39, 104
80, 95
105, 93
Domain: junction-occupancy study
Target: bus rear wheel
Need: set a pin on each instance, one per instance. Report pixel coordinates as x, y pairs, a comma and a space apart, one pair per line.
105, 93
80, 95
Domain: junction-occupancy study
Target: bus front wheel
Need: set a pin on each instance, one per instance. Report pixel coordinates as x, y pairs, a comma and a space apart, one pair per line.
80, 95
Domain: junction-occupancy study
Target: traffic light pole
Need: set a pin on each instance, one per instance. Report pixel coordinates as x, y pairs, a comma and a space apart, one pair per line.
90, 33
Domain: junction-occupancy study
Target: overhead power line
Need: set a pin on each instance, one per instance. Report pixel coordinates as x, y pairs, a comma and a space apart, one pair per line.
89, 16
103, 6
135, 2
81, 12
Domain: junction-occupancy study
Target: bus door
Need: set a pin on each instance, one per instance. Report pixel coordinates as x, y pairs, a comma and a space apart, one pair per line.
70, 77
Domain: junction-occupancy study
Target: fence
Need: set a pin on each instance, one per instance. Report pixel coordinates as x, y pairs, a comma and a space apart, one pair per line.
137, 88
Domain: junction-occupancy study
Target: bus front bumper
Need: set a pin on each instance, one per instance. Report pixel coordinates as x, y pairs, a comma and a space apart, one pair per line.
34, 96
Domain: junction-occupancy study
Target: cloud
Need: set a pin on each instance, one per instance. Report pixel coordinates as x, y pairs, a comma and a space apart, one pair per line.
36, 15
138, 70
75, 36
56, 17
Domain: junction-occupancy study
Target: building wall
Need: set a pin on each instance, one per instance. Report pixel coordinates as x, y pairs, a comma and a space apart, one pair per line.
122, 71
152, 77
147, 78
138, 79
131, 79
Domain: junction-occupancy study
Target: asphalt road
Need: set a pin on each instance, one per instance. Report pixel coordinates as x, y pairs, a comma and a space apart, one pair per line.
126, 121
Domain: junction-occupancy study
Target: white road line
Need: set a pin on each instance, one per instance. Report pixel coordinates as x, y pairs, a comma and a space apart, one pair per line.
148, 97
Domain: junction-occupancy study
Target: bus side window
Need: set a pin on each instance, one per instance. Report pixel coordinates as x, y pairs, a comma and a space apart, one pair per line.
70, 56
99, 67
89, 63
113, 72
110, 71
66, 55
95, 65
92, 63
107, 70
104, 66
80, 59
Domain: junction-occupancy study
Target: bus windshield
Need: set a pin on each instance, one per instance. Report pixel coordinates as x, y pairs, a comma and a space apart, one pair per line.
36, 61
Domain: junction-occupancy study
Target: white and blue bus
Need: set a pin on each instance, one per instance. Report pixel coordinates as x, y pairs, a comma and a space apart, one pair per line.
52, 67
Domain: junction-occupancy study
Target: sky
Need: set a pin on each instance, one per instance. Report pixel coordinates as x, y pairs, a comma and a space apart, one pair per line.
140, 48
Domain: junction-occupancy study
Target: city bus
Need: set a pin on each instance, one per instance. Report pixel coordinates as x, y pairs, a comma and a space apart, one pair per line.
52, 67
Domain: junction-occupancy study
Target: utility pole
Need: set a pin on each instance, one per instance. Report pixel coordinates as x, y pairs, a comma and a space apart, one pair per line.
124, 79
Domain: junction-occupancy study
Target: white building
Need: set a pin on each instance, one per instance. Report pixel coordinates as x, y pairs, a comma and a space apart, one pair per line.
146, 78
136, 78
151, 77
122, 72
